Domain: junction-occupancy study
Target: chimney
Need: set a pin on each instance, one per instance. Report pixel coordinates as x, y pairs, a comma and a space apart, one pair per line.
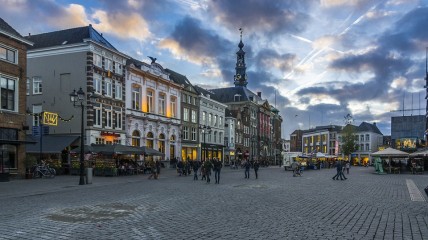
259, 94
29, 34
374, 123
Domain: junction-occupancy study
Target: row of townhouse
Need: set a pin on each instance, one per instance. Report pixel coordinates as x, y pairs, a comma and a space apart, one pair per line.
328, 140
132, 103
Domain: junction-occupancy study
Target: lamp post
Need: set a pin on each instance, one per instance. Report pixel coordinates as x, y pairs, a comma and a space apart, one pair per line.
78, 98
205, 129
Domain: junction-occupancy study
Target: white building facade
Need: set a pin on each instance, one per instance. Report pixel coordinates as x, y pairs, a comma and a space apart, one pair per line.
152, 108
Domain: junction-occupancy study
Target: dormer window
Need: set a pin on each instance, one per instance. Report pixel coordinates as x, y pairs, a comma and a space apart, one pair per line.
237, 98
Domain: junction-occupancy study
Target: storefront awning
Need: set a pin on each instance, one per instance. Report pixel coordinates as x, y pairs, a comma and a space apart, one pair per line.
50, 143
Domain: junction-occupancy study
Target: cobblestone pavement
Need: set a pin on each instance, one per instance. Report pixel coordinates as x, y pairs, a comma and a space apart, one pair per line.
275, 206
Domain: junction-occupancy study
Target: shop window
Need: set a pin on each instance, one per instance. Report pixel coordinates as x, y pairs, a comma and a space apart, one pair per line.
136, 138
8, 157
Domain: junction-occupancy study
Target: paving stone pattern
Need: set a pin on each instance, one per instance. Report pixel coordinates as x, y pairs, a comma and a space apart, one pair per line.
275, 206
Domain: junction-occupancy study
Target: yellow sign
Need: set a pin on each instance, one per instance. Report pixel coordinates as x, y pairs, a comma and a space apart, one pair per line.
50, 118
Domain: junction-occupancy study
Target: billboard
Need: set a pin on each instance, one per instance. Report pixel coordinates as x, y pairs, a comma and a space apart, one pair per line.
406, 143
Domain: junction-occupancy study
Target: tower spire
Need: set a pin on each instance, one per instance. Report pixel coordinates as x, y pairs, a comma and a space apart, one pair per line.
240, 78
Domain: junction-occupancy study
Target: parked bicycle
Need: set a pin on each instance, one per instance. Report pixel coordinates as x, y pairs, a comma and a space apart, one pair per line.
43, 170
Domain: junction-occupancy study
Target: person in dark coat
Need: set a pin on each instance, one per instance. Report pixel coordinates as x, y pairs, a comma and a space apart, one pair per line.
195, 170
247, 167
339, 170
207, 167
256, 166
217, 168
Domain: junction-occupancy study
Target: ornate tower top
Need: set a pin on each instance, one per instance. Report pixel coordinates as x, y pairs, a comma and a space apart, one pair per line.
240, 78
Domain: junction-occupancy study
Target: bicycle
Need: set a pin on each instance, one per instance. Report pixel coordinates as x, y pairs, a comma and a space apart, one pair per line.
40, 171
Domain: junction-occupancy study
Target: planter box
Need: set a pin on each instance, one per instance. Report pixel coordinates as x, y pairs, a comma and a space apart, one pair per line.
4, 177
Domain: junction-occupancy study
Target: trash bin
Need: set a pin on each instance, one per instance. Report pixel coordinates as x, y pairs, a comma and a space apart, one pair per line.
89, 175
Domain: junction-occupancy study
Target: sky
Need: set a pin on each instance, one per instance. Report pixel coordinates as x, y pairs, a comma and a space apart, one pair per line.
316, 61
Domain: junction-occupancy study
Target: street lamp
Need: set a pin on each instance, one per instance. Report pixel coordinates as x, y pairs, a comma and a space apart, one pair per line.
76, 98
205, 129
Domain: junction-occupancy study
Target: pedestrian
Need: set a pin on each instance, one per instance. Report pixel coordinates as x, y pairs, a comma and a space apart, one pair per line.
339, 170
347, 165
256, 168
158, 168
247, 167
217, 168
204, 176
208, 166
152, 170
195, 170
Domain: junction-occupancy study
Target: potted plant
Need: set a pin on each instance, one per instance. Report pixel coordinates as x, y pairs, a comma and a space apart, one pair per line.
30, 161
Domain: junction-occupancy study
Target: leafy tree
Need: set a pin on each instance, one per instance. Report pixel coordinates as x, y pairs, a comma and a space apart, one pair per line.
349, 144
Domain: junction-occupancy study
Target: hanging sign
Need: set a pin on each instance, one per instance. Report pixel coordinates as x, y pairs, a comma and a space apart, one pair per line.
50, 118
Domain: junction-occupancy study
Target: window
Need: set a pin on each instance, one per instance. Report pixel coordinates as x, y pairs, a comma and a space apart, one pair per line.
28, 86
161, 110
194, 116
37, 85
118, 90
117, 68
149, 140
215, 136
37, 109
109, 118
210, 116
9, 55
109, 65
367, 147
97, 83
204, 118
220, 137
193, 134
135, 138
185, 114
220, 121
173, 107
189, 99
150, 101
362, 138
215, 120
8, 92
98, 116
186, 133
136, 98
99, 141
367, 137
108, 87
118, 119
98, 61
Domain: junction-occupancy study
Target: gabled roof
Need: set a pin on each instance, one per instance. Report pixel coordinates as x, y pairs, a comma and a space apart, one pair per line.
367, 127
179, 78
227, 95
68, 36
9, 31
204, 92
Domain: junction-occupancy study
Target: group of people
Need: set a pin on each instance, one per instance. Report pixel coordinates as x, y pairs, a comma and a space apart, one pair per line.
340, 168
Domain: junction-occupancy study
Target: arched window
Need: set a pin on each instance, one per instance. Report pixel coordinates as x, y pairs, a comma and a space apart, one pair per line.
149, 140
162, 143
135, 138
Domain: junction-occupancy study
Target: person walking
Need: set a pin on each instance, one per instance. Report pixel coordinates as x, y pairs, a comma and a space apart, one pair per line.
339, 170
247, 167
347, 166
158, 168
208, 166
195, 170
217, 168
256, 166
152, 170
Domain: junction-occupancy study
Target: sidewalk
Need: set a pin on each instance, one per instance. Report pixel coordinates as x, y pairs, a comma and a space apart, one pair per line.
39, 186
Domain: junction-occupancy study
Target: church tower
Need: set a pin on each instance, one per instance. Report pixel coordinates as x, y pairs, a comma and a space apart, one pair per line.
240, 78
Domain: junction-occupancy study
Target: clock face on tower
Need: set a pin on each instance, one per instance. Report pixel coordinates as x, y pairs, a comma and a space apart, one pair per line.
237, 76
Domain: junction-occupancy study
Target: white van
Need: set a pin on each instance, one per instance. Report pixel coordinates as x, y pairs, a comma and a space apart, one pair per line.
288, 158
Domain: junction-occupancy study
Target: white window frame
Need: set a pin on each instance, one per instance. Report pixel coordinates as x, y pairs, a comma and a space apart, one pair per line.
37, 85
98, 60
109, 117
28, 85
118, 68
185, 114
161, 103
4, 84
136, 98
109, 64
118, 118
98, 116
118, 90
98, 83
7, 51
193, 134
109, 87
37, 109
185, 133
173, 104
150, 100
194, 117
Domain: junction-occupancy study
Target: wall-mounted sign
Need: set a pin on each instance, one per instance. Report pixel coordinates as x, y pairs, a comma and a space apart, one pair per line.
50, 118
